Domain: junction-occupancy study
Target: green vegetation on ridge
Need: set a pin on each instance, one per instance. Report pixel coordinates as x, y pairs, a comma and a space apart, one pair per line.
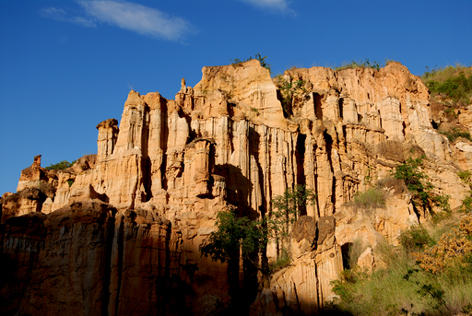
452, 83
262, 61
61, 165
366, 64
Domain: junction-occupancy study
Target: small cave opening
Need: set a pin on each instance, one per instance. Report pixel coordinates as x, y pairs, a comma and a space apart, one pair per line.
346, 252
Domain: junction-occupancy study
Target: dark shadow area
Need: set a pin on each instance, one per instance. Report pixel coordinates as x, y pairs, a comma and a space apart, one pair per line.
346, 251
238, 191
119, 239
359, 118
147, 182
231, 106
300, 158
17, 259
238, 187
286, 105
107, 272
340, 106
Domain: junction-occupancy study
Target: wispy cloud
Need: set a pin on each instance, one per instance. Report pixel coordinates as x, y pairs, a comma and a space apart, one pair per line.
61, 15
137, 18
126, 15
277, 5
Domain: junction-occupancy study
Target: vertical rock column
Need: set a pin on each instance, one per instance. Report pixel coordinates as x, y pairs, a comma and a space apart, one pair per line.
157, 120
331, 106
121, 175
107, 135
349, 111
177, 139
309, 169
324, 177
202, 168
392, 121
239, 172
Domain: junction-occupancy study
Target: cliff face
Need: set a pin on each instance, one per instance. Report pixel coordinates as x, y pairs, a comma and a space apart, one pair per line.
118, 233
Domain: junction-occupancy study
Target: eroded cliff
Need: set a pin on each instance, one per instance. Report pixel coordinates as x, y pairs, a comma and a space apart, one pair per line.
118, 233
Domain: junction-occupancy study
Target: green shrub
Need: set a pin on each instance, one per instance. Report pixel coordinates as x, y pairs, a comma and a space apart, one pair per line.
61, 165
467, 204
372, 198
286, 209
465, 176
366, 64
255, 110
401, 287
443, 202
454, 133
415, 179
282, 261
346, 285
292, 92
370, 175
422, 190
415, 238
450, 112
262, 61
453, 82
232, 234
243, 236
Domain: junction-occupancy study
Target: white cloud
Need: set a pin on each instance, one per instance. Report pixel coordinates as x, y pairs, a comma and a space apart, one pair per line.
53, 13
137, 18
61, 15
83, 21
278, 5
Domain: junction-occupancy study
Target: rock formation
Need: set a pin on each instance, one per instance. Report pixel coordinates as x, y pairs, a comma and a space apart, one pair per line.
118, 233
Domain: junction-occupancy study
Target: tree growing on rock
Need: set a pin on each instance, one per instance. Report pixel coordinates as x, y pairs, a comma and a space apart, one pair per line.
240, 236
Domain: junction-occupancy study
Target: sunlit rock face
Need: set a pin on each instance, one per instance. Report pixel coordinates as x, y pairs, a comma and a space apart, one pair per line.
119, 232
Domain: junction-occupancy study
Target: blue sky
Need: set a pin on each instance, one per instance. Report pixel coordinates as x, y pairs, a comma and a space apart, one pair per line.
67, 65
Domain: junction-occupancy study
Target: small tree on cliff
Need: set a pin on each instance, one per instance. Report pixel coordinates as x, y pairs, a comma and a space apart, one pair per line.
287, 208
240, 235
232, 235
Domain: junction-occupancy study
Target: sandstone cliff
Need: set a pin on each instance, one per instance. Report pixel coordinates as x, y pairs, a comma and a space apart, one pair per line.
118, 233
